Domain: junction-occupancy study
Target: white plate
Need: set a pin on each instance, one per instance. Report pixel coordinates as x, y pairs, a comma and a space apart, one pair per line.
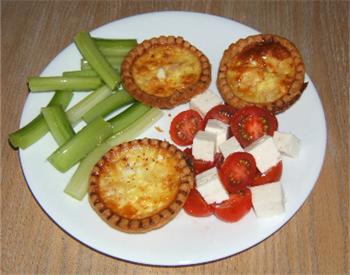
185, 240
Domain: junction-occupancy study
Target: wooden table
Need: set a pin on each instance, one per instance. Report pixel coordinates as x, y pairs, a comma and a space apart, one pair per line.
315, 240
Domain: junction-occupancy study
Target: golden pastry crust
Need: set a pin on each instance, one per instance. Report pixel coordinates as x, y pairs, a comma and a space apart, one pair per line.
166, 71
262, 70
140, 185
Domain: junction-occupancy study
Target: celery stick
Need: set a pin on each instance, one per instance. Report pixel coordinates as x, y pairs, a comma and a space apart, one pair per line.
58, 123
91, 53
114, 61
114, 42
76, 112
86, 72
37, 128
70, 153
78, 184
114, 47
61, 98
108, 105
29, 134
124, 119
74, 83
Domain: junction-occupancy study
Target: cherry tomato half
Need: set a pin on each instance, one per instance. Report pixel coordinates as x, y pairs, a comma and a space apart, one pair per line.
202, 165
237, 171
272, 175
250, 123
184, 127
196, 206
220, 112
236, 207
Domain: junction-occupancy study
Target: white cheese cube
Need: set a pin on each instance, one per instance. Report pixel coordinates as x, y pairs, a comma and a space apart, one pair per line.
287, 143
230, 146
204, 145
218, 128
203, 102
265, 153
210, 186
268, 199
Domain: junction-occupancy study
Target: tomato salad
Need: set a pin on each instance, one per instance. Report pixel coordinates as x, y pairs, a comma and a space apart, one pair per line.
238, 171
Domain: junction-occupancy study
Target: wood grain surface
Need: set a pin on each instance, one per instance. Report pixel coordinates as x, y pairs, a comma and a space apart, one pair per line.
315, 240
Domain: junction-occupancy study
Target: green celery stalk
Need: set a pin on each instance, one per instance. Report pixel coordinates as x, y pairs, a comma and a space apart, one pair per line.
114, 61
125, 118
87, 72
108, 105
78, 184
91, 53
114, 47
58, 123
37, 128
70, 153
76, 112
52, 83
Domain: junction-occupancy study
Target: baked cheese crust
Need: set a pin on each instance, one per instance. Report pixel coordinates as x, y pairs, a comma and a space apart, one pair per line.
165, 71
140, 185
261, 70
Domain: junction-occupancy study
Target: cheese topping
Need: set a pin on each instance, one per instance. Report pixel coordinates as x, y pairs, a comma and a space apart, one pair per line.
139, 181
164, 69
261, 73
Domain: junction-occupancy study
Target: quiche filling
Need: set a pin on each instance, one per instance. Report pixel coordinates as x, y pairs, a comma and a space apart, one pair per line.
137, 183
261, 70
165, 69
261, 73
140, 185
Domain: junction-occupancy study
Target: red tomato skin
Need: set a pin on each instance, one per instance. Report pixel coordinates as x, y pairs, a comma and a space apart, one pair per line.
199, 165
220, 112
187, 124
228, 167
196, 206
188, 152
272, 175
235, 208
252, 113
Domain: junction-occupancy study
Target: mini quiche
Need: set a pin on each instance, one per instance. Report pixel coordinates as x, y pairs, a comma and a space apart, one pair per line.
166, 71
262, 70
140, 185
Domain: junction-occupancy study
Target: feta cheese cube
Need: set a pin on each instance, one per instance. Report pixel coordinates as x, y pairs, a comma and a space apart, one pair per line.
268, 199
204, 145
265, 153
218, 128
203, 102
230, 146
287, 144
210, 186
